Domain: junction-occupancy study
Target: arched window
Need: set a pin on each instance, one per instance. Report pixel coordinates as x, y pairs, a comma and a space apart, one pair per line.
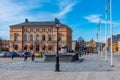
43, 37
25, 47
31, 47
31, 37
15, 47
49, 37
37, 37
15, 37
37, 47
25, 37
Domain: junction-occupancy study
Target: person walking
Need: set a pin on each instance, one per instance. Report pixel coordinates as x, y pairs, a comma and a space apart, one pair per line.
25, 55
12, 55
32, 55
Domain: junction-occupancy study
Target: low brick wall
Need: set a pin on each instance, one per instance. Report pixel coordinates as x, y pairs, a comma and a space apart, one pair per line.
62, 57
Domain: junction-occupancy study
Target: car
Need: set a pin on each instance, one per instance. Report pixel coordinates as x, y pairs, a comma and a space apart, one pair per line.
4, 54
37, 55
21, 54
15, 54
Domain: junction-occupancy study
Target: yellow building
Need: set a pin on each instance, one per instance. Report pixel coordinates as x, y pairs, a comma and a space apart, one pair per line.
91, 46
115, 47
39, 36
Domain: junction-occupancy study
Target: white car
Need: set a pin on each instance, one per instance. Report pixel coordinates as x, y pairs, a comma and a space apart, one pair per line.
3, 54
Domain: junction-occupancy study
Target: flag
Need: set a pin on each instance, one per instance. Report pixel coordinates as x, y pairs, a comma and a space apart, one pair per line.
106, 8
106, 12
99, 25
97, 35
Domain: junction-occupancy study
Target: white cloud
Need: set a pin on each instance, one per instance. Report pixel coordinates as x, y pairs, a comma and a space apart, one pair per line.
65, 7
95, 18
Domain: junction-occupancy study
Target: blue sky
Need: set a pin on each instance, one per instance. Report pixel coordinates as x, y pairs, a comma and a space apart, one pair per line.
82, 16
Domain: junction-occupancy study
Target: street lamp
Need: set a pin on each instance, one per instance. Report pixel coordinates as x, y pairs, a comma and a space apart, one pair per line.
57, 24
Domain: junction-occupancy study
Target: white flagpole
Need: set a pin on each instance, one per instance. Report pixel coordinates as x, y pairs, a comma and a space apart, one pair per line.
106, 16
106, 40
99, 35
101, 40
111, 31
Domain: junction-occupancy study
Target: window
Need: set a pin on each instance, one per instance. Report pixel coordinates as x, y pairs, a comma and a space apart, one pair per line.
43, 37
49, 47
25, 47
37, 47
49, 37
31, 37
37, 30
43, 29
25, 30
31, 47
25, 37
37, 37
15, 47
15, 37
31, 30
49, 30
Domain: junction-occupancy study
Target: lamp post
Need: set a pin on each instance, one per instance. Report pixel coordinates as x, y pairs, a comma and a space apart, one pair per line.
22, 37
57, 67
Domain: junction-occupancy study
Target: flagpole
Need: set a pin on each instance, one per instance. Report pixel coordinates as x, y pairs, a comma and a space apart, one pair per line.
106, 17
99, 29
106, 39
101, 40
111, 31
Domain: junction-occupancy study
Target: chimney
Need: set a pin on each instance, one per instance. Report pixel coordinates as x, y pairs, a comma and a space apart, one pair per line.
26, 20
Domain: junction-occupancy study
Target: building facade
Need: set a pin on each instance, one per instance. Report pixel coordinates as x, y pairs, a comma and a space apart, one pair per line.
91, 46
73, 45
115, 43
39, 36
119, 47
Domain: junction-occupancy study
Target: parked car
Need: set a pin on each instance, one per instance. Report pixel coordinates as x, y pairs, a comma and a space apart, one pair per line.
4, 54
21, 54
37, 55
15, 54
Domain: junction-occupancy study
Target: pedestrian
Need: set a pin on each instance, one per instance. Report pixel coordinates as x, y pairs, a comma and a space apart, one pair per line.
32, 55
85, 51
25, 55
12, 55
41, 54
88, 52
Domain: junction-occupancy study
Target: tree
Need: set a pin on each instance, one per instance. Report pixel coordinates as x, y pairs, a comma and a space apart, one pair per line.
81, 43
76, 46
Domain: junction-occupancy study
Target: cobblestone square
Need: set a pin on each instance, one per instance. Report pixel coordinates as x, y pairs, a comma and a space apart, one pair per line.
90, 63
